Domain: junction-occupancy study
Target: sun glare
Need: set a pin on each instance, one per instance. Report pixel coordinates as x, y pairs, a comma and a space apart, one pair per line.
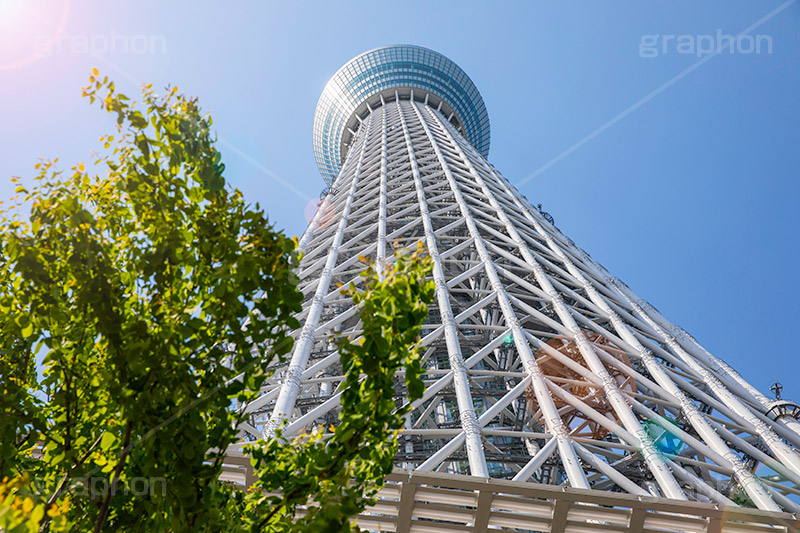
29, 30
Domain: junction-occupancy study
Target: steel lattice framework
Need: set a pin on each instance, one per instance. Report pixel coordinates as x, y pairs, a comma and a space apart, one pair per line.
540, 366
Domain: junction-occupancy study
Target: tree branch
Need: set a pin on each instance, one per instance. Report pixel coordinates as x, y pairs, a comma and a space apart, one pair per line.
126, 448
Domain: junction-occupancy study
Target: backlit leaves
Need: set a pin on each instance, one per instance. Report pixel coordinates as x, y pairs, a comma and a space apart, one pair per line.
155, 299
131, 286
342, 468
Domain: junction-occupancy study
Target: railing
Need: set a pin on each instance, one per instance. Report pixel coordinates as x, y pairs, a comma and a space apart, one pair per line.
435, 502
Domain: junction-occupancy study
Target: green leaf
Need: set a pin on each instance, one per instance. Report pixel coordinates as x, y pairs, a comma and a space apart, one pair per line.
108, 441
27, 331
135, 279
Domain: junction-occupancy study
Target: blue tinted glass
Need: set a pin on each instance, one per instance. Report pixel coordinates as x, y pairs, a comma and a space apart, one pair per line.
386, 68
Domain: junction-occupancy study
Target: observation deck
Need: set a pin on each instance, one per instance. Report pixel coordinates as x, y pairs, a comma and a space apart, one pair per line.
363, 82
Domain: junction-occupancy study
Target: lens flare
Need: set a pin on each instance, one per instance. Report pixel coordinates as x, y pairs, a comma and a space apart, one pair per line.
30, 30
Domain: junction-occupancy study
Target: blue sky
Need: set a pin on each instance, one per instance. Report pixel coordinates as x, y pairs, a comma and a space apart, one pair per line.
691, 196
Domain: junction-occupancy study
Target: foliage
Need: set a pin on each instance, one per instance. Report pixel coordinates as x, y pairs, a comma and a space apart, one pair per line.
340, 475
21, 513
152, 300
134, 287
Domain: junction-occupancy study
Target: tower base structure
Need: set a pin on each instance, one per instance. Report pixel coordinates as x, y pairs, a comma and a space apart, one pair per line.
562, 395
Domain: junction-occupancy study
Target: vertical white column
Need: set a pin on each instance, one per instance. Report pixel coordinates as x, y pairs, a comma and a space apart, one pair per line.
614, 395
719, 367
290, 387
466, 407
725, 375
773, 441
381, 244
555, 424
770, 438
748, 481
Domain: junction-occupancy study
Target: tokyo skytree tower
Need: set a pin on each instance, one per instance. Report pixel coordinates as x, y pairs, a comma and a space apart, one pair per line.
556, 399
